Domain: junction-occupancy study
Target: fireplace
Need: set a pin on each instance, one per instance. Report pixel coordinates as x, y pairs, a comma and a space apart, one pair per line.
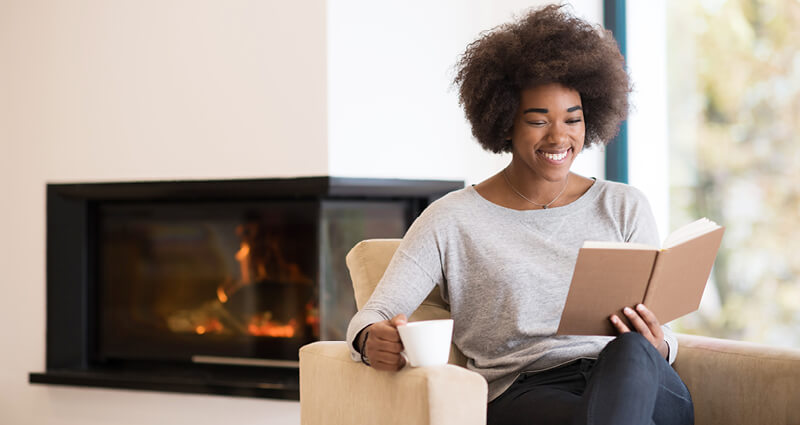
208, 286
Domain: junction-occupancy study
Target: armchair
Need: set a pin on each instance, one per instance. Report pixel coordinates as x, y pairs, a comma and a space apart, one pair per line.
730, 382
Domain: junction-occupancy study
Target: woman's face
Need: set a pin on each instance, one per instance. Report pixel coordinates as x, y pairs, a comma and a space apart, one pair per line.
548, 130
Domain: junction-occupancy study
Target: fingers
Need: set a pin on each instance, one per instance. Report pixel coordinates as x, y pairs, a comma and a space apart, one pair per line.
398, 320
644, 322
383, 345
651, 320
638, 323
384, 337
390, 363
655, 327
381, 358
384, 331
619, 324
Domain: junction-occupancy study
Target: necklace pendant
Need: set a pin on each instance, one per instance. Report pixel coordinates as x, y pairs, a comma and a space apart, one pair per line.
544, 207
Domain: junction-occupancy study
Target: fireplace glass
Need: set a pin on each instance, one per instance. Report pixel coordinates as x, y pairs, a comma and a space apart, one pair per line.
229, 279
208, 286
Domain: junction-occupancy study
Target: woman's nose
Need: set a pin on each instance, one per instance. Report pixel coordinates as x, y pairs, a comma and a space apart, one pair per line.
559, 132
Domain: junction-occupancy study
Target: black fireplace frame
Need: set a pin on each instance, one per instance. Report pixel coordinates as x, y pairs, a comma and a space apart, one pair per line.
72, 210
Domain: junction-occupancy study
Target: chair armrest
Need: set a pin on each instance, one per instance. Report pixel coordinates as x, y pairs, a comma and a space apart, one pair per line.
334, 389
734, 382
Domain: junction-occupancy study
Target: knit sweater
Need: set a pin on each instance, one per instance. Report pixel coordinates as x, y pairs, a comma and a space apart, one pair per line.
505, 275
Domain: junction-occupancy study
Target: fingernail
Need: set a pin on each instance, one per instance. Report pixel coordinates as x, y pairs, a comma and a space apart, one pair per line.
640, 307
628, 310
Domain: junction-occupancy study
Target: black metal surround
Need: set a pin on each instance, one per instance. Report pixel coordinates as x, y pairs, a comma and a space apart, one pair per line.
71, 279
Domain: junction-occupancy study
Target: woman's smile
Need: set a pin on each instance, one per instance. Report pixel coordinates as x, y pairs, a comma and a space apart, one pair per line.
547, 135
556, 157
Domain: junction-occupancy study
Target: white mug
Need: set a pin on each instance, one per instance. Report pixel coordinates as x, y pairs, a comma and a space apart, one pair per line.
427, 342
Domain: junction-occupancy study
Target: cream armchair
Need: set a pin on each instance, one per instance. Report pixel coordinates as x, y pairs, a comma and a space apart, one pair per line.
731, 382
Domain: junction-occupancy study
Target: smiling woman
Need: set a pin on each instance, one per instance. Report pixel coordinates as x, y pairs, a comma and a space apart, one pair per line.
547, 135
546, 47
502, 251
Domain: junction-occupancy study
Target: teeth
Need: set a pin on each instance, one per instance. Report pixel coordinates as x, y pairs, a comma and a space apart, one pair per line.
555, 156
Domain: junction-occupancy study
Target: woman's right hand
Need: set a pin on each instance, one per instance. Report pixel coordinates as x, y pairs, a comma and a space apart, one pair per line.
383, 345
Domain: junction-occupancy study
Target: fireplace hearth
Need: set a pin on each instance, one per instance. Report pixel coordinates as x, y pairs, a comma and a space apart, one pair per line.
208, 286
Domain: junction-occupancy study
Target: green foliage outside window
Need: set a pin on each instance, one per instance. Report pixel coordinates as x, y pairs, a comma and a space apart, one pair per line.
734, 122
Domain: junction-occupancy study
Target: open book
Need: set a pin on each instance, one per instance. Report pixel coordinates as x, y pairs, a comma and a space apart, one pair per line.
609, 276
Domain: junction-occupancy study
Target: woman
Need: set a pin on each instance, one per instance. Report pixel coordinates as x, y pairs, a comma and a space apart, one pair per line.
502, 252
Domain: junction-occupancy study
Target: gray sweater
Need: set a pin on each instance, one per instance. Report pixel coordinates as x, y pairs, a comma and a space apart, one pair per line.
505, 275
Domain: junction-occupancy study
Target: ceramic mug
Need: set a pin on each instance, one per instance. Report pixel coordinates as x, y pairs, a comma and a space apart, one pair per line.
427, 342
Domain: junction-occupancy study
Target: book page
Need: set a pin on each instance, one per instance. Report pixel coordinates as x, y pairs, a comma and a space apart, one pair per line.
616, 245
690, 231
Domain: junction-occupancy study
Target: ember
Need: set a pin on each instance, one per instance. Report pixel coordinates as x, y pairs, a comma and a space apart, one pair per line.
263, 326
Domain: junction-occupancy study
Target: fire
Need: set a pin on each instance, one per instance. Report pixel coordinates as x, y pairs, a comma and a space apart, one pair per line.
221, 295
212, 325
243, 257
273, 329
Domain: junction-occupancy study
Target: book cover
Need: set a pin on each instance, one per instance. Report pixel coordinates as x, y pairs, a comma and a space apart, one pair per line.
611, 276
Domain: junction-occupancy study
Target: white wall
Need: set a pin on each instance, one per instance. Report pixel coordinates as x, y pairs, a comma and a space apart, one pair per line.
126, 90
648, 152
100, 90
392, 109
145, 90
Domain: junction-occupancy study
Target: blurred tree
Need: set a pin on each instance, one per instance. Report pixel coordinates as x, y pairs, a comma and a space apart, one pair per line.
734, 105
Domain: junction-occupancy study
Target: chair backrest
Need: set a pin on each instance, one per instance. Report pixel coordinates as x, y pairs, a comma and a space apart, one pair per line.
368, 260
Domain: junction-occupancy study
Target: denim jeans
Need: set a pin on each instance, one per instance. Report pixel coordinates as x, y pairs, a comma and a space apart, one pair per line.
629, 383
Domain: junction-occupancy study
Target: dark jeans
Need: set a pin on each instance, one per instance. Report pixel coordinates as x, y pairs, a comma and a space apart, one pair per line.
629, 383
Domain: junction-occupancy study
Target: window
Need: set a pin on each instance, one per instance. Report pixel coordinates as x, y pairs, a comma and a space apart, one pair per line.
733, 121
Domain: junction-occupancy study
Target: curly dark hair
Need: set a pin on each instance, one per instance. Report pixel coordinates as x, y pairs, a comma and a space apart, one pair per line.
547, 45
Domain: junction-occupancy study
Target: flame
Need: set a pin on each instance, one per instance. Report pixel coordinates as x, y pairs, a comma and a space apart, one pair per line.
244, 251
272, 329
243, 257
223, 298
209, 326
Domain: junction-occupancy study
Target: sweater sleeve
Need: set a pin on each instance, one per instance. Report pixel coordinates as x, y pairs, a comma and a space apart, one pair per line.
414, 270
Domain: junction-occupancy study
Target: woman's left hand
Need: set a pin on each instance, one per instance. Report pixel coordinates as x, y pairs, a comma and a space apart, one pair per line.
646, 323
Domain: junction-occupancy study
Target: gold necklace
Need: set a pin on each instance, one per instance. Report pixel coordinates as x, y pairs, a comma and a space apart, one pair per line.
543, 206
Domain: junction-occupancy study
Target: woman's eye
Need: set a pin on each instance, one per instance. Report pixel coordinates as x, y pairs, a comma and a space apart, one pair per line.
575, 121
537, 123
